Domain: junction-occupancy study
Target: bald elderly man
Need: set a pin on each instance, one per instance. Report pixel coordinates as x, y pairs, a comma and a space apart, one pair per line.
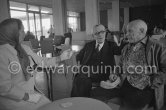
93, 58
144, 71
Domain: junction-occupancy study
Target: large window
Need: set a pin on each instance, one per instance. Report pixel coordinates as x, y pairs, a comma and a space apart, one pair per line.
36, 19
73, 20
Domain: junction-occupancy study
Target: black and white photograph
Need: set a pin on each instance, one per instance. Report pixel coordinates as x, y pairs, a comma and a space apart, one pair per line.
82, 54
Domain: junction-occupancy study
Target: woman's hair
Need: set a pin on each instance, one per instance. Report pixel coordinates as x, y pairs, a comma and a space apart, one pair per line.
9, 34
9, 31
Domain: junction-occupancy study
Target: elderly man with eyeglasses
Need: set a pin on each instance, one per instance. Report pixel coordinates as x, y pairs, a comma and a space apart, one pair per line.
93, 58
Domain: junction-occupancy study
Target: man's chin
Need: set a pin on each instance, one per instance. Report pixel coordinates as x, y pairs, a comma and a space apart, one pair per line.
100, 42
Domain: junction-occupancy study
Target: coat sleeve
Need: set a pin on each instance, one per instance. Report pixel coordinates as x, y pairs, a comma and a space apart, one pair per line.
80, 55
7, 88
162, 63
46, 62
117, 49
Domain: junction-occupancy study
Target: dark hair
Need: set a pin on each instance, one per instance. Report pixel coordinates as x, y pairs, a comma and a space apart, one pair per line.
9, 29
11, 21
162, 25
9, 34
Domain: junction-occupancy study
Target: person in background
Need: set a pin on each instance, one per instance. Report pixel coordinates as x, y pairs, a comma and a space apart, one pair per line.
68, 35
29, 35
95, 54
17, 69
51, 32
41, 38
160, 29
159, 33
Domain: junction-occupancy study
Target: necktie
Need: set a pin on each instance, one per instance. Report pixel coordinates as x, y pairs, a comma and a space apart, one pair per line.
97, 48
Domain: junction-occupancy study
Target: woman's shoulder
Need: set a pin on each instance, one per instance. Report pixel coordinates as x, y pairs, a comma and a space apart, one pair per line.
7, 52
27, 48
7, 49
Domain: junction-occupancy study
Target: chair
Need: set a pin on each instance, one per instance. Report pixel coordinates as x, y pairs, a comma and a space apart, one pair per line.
58, 40
41, 83
62, 82
35, 43
35, 46
46, 46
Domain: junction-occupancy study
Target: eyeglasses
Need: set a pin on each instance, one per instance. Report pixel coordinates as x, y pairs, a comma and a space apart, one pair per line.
101, 32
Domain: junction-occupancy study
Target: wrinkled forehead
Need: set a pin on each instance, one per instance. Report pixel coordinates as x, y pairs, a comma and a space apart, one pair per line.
132, 26
137, 25
98, 28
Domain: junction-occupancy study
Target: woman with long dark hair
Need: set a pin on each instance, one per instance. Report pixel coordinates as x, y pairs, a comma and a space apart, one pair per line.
16, 81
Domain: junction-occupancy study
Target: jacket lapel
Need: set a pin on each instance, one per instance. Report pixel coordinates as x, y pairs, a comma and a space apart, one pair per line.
88, 52
104, 50
148, 47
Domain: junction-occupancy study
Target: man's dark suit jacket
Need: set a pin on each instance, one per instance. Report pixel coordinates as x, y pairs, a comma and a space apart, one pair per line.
82, 84
109, 49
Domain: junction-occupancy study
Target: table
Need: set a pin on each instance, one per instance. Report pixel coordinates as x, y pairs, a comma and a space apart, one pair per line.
76, 103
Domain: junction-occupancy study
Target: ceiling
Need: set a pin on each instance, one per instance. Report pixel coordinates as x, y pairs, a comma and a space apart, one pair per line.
137, 3
78, 5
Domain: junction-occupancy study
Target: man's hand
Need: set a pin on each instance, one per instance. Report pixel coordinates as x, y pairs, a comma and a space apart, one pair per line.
113, 77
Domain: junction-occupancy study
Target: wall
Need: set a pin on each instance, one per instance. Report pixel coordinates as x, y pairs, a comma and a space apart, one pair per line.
47, 3
4, 10
152, 14
82, 21
103, 17
121, 19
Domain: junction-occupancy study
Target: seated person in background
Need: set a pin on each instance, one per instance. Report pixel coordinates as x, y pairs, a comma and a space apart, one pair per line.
51, 32
69, 35
143, 76
29, 35
159, 32
59, 40
93, 57
41, 38
16, 69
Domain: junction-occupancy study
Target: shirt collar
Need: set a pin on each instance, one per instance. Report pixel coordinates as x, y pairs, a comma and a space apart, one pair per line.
11, 48
143, 41
100, 45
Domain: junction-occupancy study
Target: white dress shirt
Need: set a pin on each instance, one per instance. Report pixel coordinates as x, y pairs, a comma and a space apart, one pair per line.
100, 45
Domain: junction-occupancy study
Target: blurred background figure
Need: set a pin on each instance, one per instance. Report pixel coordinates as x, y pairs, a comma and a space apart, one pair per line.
68, 35
159, 32
51, 32
159, 29
42, 37
29, 35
